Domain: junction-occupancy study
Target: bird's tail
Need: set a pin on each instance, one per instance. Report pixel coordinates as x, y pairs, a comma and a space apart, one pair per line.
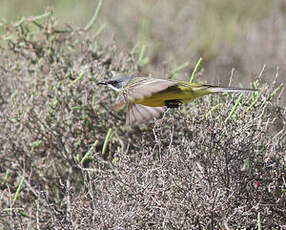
218, 89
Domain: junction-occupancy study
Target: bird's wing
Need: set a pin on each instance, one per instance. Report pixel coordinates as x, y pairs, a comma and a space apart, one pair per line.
138, 89
145, 87
142, 87
137, 113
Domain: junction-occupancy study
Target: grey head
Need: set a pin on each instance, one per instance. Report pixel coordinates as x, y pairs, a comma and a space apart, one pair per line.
117, 82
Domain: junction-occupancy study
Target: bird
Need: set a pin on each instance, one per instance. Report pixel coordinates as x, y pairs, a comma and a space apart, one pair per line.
147, 98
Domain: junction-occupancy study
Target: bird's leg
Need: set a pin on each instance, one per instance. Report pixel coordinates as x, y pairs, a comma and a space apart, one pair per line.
173, 103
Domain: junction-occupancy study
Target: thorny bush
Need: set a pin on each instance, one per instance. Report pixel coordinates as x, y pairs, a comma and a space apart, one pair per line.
190, 170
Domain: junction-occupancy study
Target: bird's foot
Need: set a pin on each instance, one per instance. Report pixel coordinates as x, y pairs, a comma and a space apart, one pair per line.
173, 103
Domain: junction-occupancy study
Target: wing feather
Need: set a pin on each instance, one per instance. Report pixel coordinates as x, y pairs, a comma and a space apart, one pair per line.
137, 89
137, 113
132, 114
128, 115
146, 87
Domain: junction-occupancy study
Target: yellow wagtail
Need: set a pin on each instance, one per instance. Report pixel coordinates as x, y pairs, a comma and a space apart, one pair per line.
147, 98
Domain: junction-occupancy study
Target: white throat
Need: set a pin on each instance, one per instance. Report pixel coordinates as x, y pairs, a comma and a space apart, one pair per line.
114, 88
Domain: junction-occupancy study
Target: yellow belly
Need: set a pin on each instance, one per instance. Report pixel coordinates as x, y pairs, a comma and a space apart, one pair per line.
181, 93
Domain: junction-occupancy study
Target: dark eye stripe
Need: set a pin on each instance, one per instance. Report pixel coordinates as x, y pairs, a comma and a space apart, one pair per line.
113, 82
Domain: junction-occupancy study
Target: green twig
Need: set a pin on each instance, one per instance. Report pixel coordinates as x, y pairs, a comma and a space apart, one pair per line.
95, 15
36, 18
254, 101
20, 22
179, 68
132, 52
22, 213
196, 70
107, 138
213, 109
234, 108
17, 194
86, 156
259, 221
6, 176
81, 75
141, 59
275, 92
100, 29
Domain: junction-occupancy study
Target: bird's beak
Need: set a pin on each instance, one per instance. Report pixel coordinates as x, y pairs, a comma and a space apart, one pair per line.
101, 83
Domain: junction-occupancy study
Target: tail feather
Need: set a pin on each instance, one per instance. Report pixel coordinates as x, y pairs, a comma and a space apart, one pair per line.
217, 89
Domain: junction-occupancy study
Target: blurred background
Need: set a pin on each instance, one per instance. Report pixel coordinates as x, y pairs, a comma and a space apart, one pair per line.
228, 34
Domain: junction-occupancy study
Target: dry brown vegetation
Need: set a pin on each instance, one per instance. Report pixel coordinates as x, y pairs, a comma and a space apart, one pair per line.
68, 162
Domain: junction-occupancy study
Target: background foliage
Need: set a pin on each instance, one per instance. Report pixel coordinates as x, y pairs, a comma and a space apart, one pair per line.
67, 161
243, 35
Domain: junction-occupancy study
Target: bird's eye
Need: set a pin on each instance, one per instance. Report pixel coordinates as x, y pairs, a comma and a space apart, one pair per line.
114, 83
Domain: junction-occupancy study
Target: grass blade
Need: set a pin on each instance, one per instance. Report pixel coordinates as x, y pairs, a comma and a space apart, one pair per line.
94, 17
86, 156
17, 194
196, 70
179, 68
259, 227
234, 108
107, 138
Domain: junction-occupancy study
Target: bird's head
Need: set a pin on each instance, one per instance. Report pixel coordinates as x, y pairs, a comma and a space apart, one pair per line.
118, 82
